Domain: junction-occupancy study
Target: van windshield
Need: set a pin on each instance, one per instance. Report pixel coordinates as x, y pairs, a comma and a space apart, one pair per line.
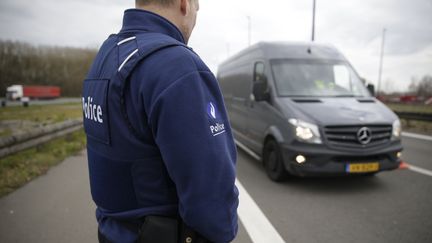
311, 78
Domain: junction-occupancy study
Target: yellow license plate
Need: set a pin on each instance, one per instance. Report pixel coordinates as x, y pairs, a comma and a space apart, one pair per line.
362, 167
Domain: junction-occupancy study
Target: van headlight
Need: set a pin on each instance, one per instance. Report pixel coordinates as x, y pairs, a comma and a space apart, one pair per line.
397, 130
306, 132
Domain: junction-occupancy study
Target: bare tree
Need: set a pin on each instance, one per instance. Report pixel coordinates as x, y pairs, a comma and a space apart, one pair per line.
21, 63
421, 87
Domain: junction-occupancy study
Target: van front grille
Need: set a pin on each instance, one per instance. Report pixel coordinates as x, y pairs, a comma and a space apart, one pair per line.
358, 136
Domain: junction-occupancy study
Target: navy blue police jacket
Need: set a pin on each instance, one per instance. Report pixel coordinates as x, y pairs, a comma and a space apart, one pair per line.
158, 137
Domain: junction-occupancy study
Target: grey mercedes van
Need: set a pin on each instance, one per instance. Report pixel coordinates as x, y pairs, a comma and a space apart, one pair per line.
303, 110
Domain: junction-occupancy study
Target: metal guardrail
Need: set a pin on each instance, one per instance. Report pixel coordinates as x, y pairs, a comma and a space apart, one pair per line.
415, 116
19, 142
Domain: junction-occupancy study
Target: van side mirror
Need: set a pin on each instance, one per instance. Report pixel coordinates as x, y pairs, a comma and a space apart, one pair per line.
260, 90
371, 89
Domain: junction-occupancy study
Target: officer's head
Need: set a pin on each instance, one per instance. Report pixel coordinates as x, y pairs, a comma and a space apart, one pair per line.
182, 13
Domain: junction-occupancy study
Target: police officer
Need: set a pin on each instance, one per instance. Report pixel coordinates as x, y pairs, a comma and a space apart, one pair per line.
160, 149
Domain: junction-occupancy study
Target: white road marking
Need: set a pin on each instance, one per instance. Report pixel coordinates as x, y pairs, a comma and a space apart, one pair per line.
418, 136
257, 225
247, 150
422, 137
255, 222
419, 170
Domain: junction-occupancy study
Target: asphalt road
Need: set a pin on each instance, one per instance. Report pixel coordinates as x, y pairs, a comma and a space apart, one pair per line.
390, 207
56, 207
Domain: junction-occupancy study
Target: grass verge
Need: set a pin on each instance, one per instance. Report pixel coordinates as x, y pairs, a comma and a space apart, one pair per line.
421, 127
42, 114
18, 169
410, 108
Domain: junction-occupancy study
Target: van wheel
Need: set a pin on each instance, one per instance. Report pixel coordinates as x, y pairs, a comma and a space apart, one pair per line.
273, 162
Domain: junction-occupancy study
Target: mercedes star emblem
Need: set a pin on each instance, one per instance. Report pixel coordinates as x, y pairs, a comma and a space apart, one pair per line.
364, 135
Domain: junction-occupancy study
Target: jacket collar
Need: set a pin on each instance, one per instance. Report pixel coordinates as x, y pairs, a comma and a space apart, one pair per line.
142, 20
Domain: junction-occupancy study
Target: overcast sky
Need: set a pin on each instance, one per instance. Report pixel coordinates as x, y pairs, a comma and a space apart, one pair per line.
353, 26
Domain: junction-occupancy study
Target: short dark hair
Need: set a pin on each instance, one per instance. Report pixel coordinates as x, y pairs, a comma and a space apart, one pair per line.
160, 2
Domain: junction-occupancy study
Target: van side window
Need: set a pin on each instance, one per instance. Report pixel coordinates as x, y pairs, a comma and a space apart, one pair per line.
259, 74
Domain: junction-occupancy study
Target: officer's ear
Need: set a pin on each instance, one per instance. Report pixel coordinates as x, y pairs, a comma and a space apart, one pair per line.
185, 7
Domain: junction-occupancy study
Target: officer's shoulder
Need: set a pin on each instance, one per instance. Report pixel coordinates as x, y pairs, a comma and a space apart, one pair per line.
179, 58
166, 66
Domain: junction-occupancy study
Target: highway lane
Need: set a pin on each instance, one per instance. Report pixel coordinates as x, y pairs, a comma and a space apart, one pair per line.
390, 207
417, 152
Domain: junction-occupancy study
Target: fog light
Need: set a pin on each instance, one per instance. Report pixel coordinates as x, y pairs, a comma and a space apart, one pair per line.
300, 159
399, 155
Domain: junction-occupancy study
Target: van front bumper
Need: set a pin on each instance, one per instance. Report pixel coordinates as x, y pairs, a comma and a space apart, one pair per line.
322, 160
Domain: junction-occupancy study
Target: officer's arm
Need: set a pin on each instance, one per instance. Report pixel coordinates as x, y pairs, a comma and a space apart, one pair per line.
191, 128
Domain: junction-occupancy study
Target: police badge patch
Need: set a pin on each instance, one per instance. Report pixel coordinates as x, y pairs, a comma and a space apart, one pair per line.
217, 128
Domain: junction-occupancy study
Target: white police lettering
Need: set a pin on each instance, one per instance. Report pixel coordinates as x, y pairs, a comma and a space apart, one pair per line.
92, 111
217, 128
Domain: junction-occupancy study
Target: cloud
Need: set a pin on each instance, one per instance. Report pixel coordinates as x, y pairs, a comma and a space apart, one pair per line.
72, 23
361, 23
354, 26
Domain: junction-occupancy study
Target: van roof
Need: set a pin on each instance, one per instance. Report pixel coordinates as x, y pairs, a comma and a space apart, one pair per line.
291, 50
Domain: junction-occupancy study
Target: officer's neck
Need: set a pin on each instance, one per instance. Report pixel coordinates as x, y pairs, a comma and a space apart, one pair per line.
171, 13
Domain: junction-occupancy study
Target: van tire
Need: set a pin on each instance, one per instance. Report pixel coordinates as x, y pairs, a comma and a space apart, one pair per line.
273, 162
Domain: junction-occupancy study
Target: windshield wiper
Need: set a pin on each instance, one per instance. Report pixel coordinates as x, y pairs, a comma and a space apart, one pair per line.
296, 96
342, 96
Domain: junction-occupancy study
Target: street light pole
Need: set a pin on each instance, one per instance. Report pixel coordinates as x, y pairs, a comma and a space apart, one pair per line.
313, 21
249, 30
381, 61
